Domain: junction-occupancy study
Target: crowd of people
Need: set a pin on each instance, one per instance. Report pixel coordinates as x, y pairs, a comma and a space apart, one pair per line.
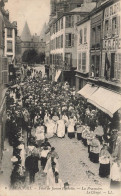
44, 109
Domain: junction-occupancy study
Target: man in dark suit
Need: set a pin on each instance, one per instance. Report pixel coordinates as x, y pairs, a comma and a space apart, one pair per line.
31, 164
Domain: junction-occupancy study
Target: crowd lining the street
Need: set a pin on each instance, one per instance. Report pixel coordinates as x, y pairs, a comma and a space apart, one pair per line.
43, 109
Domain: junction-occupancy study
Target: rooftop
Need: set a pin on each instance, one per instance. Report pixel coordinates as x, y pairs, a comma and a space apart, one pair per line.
86, 7
26, 34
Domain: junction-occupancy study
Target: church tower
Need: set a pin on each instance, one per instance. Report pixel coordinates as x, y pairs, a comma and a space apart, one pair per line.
26, 34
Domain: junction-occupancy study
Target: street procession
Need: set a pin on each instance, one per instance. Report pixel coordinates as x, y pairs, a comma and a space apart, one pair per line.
60, 112
39, 110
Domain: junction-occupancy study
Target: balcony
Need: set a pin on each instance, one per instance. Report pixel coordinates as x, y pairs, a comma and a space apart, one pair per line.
96, 46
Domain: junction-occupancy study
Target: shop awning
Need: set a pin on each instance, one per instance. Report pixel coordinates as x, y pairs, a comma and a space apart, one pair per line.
57, 75
87, 90
106, 100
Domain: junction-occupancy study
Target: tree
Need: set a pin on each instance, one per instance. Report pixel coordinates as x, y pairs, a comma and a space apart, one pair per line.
32, 56
29, 56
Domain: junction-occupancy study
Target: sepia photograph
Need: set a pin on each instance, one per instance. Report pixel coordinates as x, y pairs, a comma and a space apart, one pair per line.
60, 97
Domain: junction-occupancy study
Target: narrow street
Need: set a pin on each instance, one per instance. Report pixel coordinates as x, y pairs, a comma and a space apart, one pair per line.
74, 165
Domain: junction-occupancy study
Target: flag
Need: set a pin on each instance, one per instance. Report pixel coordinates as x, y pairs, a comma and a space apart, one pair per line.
107, 66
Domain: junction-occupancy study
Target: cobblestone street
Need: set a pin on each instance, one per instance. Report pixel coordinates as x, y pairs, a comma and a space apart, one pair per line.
75, 167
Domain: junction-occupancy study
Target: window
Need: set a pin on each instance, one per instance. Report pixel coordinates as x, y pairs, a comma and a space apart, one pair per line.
106, 28
114, 26
58, 42
80, 40
9, 59
68, 60
9, 46
119, 67
84, 61
111, 10
61, 41
79, 61
69, 40
78, 18
56, 27
69, 21
9, 32
98, 36
93, 37
85, 35
61, 23
78, 5
97, 66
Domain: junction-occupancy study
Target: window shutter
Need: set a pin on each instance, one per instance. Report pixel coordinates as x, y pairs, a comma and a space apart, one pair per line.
4, 70
67, 39
85, 35
0, 70
72, 40
5, 77
118, 25
79, 61
119, 67
81, 36
83, 61
110, 28
72, 22
61, 41
67, 21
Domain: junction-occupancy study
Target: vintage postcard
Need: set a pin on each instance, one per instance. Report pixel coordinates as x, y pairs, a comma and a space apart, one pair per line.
60, 97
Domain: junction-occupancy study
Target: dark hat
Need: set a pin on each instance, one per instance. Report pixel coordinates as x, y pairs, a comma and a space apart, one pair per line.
52, 149
66, 184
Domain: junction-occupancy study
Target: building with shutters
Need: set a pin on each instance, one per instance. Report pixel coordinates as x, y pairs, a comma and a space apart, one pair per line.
83, 51
111, 48
103, 88
105, 44
10, 39
3, 82
63, 42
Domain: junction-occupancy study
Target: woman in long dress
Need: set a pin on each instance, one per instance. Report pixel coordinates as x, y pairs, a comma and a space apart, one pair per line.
60, 128
53, 179
115, 175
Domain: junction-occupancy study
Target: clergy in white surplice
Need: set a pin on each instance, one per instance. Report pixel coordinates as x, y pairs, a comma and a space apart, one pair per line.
60, 128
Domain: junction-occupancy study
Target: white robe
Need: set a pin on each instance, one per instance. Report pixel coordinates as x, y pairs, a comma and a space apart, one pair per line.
71, 124
50, 129
60, 128
115, 173
48, 165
